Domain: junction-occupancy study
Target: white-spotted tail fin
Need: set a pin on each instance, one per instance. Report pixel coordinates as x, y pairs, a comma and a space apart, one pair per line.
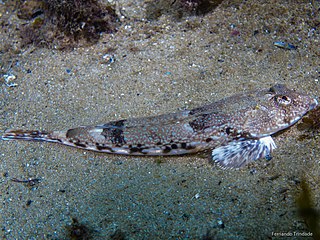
238, 153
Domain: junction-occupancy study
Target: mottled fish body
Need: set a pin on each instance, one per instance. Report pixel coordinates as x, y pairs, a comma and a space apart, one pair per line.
238, 129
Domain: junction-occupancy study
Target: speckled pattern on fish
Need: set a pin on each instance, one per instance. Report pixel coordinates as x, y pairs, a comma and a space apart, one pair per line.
238, 129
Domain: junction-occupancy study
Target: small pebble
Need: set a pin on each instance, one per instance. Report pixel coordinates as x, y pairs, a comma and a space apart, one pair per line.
9, 80
108, 58
220, 223
284, 45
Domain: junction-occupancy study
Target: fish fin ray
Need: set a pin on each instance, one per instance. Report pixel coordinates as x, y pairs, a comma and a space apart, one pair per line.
238, 153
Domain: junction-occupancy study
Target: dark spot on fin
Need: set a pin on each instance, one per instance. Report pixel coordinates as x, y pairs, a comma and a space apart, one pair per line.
115, 124
102, 147
134, 150
71, 133
200, 123
184, 145
113, 131
78, 144
174, 146
167, 149
117, 137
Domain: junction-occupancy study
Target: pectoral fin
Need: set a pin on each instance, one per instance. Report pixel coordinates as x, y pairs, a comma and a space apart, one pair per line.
238, 153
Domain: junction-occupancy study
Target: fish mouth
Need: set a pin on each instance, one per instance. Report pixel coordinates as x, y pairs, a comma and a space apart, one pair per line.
313, 104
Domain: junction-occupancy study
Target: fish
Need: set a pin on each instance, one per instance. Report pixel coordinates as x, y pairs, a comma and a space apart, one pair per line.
236, 129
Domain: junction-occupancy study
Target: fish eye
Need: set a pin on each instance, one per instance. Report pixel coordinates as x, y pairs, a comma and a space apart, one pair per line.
283, 99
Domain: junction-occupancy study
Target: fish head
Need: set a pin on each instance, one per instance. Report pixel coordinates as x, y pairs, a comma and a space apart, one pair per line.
276, 109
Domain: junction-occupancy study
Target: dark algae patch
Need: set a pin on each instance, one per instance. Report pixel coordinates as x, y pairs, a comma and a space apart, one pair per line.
180, 8
118, 235
78, 231
307, 210
63, 24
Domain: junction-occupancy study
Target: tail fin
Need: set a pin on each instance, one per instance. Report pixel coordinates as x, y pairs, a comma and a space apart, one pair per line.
27, 135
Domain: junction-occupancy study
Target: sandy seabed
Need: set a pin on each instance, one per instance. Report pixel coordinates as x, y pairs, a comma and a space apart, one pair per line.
160, 66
